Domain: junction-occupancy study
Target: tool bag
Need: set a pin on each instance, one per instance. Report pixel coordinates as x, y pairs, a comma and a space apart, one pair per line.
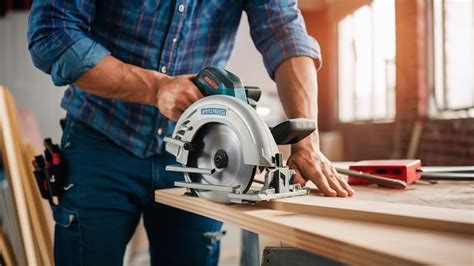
50, 172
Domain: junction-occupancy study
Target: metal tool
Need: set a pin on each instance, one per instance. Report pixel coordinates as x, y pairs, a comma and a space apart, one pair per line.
220, 143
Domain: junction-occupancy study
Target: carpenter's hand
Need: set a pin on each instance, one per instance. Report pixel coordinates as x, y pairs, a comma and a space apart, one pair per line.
310, 164
175, 94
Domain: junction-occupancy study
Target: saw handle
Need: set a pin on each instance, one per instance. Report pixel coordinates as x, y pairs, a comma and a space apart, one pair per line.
218, 81
293, 130
253, 92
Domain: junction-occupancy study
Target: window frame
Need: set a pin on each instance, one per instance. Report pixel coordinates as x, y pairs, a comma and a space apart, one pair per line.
390, 91
434, 109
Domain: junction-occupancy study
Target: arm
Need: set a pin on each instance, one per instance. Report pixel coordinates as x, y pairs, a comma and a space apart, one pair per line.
278, 31
114, 79
59, 46
297, 86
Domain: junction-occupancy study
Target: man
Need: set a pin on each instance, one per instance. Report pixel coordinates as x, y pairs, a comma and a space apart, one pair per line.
128, 65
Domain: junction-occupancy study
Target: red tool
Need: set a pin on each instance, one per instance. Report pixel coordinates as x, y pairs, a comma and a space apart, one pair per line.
404, 170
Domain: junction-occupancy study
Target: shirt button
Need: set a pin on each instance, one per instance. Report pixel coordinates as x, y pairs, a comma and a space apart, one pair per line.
164, 69
181, 8
159, 131
175, 39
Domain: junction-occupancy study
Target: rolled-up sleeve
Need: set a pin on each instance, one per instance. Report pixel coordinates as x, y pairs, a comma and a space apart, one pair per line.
58, 41
278, 31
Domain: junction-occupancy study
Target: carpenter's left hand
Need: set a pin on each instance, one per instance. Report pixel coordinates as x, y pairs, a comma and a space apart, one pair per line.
310, 164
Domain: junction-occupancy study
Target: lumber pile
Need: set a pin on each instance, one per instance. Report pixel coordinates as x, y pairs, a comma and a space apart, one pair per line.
26, 239
353, 231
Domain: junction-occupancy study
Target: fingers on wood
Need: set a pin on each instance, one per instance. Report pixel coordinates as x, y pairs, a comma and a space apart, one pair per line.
321, 182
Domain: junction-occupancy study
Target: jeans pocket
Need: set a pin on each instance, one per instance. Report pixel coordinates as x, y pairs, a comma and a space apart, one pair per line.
64, 217
68, 244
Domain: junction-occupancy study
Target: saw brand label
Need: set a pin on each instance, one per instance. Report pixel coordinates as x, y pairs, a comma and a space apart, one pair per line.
214, 111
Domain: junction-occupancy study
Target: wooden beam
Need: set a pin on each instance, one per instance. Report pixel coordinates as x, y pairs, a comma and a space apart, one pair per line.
354, 242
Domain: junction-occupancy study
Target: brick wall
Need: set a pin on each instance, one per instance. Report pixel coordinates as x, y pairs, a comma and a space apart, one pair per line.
447, 142
442, 142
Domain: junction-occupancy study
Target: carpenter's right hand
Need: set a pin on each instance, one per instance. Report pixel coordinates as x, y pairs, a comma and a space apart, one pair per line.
175, 94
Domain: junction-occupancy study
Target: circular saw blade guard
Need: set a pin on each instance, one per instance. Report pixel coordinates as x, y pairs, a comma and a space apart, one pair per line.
219, 141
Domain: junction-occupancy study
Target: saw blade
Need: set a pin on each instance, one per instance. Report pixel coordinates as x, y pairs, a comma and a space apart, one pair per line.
220, 149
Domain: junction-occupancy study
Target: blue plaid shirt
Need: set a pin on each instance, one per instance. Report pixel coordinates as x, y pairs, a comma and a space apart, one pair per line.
69, 37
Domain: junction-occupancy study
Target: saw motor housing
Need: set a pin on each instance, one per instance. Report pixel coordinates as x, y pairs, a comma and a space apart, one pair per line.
231, 107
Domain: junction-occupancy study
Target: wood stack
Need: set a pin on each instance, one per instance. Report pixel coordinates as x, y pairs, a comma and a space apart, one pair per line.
26, 239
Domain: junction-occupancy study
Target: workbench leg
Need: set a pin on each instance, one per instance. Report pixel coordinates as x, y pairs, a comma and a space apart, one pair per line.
250, 251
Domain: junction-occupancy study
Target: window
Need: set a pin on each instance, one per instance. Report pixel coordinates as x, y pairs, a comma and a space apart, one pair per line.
453, 57
366, 78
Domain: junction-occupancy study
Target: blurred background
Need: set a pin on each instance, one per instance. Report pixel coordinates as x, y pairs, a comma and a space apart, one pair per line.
396, 82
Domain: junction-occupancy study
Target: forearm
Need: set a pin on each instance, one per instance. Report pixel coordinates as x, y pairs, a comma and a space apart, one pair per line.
296, 79
114, 79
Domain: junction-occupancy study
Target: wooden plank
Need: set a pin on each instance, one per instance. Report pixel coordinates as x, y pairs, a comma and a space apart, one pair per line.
354, 242
424, 217
443, 194
11, 154
6, 250
22, 155
43, 240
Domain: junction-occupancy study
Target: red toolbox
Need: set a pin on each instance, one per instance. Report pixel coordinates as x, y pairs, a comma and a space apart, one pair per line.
405, 170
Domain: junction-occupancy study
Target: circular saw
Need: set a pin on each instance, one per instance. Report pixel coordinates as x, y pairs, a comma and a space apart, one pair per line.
220, 143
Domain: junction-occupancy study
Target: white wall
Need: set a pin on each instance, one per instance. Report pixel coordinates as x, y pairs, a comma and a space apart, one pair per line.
30, 87
246, 62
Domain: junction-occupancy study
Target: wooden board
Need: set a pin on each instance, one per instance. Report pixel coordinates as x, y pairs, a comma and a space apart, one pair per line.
355, 242
14, 166
17, 156
6, 250
40, 225
423, 217
443, 194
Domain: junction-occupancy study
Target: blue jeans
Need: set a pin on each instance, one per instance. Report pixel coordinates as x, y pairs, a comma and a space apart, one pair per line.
107, 191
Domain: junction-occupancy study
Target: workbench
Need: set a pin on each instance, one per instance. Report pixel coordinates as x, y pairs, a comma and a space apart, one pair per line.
423, 224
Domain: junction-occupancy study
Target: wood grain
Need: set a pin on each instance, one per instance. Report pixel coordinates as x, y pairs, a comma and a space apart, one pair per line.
354, 242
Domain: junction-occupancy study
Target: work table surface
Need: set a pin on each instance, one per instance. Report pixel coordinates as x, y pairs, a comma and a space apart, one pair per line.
423, 224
